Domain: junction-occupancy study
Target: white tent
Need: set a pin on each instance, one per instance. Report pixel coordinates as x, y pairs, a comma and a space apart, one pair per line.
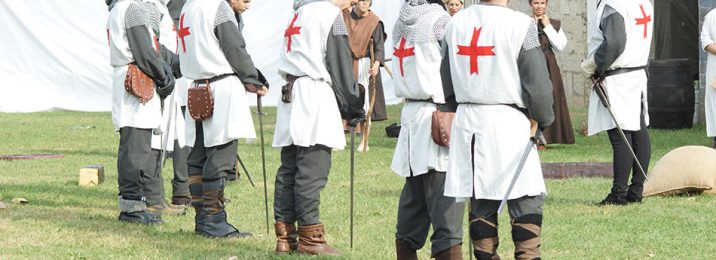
55, 55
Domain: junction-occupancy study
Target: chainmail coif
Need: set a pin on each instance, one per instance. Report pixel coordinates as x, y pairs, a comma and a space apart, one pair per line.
420, 21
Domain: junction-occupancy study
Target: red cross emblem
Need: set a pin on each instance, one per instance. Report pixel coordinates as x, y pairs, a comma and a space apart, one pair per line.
475, 51
402, 52
183, 31
644, 20
291, 30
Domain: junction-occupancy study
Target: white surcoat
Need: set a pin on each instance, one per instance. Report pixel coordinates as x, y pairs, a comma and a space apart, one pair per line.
126, 109
203, 59
313, 116
417, 79
708, 36
484, 84
626, 91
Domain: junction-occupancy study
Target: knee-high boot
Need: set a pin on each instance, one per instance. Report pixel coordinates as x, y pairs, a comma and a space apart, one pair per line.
213, 217
526, 231
483, 233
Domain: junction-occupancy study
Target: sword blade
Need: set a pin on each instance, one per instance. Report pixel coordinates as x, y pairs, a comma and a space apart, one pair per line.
241, 162
525, 154
352, 175
603, 96
263, 158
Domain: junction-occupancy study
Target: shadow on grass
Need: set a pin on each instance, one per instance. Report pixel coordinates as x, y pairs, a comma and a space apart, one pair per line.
73, 195
96, 152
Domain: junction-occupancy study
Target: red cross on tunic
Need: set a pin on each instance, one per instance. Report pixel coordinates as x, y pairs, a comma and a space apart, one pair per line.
291, 30
644, 20
183, 31
402, 53
475, 51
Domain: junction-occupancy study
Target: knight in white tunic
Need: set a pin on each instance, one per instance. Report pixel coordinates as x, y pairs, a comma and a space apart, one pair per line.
498, 74
619, 45
212, 52
708, 43
417, 36
316, 61
131, 41
165, 42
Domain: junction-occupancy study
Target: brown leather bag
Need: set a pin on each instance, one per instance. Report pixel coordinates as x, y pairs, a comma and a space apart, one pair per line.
440, 129
200, 102
138, 83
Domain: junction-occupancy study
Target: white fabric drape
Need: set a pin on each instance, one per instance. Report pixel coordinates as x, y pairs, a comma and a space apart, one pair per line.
55, 54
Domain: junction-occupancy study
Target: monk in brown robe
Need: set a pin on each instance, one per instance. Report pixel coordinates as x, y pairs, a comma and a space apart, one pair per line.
364, 25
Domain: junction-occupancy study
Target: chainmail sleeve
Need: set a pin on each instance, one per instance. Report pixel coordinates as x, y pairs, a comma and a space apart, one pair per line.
140, 44
534, 76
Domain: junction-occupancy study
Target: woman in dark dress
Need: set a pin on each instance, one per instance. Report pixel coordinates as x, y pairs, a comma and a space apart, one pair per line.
552, 38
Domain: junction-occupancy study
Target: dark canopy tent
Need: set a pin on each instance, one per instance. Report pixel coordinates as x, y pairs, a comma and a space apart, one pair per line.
676, 31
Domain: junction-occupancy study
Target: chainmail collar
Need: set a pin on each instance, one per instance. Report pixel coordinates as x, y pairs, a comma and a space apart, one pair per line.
299, 3
414, 21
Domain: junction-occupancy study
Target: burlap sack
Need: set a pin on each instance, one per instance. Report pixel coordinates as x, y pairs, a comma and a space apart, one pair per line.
685, 169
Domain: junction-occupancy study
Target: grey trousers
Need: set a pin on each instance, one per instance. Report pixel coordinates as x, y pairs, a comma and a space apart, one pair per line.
211, 163
134, 161
180, 182
422, 203
481, 208
153, 180
299, 181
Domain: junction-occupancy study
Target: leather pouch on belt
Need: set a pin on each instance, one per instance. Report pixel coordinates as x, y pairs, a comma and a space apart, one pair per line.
139, 84
200, 102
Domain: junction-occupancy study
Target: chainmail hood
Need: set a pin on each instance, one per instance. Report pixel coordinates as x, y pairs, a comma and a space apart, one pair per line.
420, 21
298, 3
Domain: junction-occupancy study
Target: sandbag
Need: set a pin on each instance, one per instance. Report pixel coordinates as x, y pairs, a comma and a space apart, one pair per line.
687, 169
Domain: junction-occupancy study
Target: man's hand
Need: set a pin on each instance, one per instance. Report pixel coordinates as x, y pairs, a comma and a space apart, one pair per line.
533, 128
251, 87
353, 122
262, 91
374, 70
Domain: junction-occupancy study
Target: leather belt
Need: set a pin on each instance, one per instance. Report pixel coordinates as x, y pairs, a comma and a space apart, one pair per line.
618, 71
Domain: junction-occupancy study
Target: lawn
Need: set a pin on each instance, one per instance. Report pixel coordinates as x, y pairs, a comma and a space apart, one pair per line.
64, 220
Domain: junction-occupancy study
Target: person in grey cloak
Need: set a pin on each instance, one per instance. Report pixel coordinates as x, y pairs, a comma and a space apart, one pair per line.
130, 41
498, 74
213, 54
417, 36
316, 61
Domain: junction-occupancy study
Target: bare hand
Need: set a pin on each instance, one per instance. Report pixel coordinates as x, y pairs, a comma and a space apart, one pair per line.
262, 91
533, 128
545, 20
251, 87
374, 70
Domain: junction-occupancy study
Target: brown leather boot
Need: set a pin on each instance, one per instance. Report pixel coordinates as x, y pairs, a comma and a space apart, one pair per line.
286, 237
312, 242
404, 251
453, 253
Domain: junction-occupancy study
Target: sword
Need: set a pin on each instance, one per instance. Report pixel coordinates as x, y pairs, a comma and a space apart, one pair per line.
263, 157
165, 136
352, 174
241, 162
605, 101
525, 154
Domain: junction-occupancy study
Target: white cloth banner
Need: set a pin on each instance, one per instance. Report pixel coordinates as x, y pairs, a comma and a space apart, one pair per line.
55, 54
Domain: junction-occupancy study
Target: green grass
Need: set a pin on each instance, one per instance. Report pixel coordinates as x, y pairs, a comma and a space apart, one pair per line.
64, 220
